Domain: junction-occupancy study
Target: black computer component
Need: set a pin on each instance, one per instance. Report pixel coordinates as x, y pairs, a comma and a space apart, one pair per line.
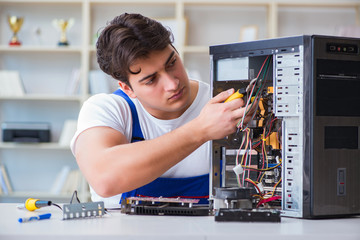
164, 206
302, 146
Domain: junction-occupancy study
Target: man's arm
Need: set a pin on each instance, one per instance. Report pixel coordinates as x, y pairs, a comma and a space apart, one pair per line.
112, 165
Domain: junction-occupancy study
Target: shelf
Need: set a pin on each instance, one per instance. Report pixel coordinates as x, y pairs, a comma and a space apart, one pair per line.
162, 2
196, 49
319, 4
47, 49
21, 196
42, 1
40, 146
40, 97
42, 195
227, 2
267, 2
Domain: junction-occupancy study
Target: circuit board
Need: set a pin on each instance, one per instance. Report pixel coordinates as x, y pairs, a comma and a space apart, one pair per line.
163, 206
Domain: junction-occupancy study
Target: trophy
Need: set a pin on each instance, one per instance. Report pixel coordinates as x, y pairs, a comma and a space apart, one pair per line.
15, 24
63, 25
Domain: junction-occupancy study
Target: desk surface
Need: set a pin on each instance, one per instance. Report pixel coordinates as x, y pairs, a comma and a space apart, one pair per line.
120, 226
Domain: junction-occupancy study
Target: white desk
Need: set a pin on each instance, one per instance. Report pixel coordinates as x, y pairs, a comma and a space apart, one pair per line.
120, 226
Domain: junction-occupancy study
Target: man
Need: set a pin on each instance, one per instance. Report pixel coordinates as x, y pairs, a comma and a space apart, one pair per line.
175, 116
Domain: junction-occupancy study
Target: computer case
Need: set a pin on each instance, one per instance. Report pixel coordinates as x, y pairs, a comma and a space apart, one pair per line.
313, 92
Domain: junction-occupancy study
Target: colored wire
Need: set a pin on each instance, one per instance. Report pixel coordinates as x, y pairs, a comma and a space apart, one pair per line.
56, 205
240, 123
238, 153
76, 196
260, 89
255, 185
266, 200
246, 146
244, 139
262, 67
264, 169
250, 157
245, 153
278, 135
274, 189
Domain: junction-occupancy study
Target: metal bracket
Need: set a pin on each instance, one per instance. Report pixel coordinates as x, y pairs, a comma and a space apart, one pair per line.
83, 210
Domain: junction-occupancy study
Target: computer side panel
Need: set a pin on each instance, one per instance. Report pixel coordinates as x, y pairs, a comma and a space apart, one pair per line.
335, 161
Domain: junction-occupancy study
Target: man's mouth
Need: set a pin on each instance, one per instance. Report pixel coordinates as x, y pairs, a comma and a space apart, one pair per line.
177, 95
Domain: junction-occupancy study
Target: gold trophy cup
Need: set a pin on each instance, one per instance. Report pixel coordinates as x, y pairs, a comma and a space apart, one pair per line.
63, 25
15, 24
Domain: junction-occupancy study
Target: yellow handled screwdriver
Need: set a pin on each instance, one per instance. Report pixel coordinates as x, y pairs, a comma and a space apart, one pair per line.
32, 204
235, 95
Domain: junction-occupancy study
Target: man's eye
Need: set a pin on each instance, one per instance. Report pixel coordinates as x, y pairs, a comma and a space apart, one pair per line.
172, 63
151, 80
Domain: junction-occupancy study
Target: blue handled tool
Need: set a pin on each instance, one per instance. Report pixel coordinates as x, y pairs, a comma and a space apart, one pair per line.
38, 217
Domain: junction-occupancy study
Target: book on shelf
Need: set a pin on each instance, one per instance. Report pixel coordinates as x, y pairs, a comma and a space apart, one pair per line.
99, 82
60, 180
11, 84
75, 181
68, 180
3, 185
72, 182
5, 181
73, 84
178, 29
67, 132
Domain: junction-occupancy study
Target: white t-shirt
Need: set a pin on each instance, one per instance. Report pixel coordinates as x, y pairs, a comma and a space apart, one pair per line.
113, 111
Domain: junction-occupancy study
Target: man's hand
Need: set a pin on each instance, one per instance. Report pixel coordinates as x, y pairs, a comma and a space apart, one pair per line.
218, 119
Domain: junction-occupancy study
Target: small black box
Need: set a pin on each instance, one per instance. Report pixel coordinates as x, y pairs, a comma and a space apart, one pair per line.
25, 132
247, 215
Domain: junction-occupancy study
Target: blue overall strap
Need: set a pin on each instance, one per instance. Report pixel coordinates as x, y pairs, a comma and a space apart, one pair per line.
191, 187
137, 134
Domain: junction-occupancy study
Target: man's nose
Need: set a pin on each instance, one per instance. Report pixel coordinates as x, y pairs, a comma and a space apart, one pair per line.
171, 83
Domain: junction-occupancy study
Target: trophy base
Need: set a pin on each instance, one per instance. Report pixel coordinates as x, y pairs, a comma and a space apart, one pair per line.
63, 44
14, 43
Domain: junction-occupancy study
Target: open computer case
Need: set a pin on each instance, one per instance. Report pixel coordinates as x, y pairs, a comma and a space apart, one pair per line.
302, 146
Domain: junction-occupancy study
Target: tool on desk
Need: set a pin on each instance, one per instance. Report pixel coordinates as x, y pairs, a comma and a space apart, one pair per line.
32, 204
70, 211
38, 217
238, 94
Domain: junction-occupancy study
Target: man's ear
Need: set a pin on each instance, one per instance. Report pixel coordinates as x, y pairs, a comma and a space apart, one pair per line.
127, 89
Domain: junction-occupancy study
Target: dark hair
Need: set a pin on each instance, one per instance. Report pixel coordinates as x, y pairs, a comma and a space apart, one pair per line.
127, 38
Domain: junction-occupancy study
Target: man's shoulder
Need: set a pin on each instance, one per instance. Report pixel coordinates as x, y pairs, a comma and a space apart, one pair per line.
107, 101
104, 97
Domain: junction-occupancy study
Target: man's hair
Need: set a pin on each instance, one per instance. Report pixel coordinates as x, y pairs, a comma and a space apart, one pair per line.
127, 38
